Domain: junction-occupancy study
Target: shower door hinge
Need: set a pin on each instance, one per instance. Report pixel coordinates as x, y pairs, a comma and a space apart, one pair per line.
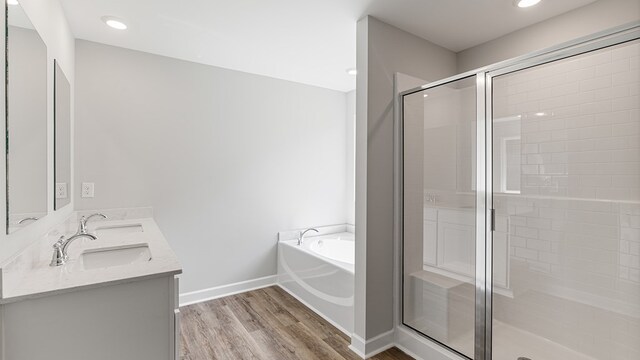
492, 213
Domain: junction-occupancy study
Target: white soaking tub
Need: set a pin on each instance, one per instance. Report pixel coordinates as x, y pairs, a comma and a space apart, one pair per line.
320, 274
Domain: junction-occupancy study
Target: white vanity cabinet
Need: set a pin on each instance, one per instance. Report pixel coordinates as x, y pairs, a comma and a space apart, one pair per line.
136, 320
102, 304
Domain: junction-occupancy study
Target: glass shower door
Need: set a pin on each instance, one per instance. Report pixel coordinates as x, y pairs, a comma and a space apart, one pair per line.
566, 191
439, 213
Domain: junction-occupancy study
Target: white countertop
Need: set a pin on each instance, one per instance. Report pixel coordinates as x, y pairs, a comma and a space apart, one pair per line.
29, 275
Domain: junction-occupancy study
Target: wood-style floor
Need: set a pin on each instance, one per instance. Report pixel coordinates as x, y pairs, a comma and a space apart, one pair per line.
263, 324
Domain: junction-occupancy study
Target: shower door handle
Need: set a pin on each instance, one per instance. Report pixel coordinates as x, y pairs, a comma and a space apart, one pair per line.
492, 213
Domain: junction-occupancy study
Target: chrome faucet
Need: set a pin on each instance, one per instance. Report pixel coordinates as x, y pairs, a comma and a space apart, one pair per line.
301, 237
61, 247
32, 218
82, 226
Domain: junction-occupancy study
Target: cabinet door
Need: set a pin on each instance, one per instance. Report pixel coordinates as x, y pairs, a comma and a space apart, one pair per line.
175, 312
135, 325
430, 243
176, 334
456, 248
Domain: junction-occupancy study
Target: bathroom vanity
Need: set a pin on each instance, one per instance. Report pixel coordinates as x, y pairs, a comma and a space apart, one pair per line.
115, 298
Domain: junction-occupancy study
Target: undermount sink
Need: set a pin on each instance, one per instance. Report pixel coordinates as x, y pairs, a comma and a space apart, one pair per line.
115, 256
119, 229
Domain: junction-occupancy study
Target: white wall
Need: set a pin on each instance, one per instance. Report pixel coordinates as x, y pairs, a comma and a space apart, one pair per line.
597, 16
383, 50
586, 116
48, 19
226, 159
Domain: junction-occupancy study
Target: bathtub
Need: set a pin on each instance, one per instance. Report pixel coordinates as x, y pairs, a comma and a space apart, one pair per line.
320, 274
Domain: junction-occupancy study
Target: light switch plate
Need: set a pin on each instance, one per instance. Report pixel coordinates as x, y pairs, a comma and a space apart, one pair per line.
87, 190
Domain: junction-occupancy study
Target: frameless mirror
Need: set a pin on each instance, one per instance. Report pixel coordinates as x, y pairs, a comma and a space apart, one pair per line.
62, 138
26, 120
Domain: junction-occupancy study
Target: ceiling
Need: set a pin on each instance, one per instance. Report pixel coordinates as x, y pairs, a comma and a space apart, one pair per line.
307, 41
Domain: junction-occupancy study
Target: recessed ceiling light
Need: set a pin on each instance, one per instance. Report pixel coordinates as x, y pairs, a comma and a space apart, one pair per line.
115, 23
12, 2
540, 114
425, 95
352, 71
526, 3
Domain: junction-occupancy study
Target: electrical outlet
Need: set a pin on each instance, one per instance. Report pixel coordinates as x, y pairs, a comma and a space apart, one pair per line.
87, 190
61, 190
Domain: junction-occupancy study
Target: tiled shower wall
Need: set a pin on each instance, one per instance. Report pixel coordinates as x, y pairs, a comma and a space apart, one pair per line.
574, 229
579, 125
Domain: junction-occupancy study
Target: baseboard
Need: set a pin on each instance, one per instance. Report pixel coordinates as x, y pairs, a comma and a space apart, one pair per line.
373, 346
358, 345
198, 296
408, 352
419, 347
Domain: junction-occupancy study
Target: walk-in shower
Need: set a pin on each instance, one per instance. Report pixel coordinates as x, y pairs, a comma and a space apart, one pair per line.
521, 205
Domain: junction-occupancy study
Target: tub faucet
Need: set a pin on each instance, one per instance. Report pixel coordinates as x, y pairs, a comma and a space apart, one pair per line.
301, 237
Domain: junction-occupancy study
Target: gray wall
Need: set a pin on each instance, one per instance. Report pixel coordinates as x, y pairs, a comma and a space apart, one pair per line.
598, 16
226, 159
351, 159
382, 51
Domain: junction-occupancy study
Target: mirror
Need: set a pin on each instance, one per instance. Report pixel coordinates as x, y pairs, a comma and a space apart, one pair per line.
26, 120
62, 138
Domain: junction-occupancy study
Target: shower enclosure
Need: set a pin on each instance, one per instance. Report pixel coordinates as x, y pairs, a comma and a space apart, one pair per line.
520, 211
